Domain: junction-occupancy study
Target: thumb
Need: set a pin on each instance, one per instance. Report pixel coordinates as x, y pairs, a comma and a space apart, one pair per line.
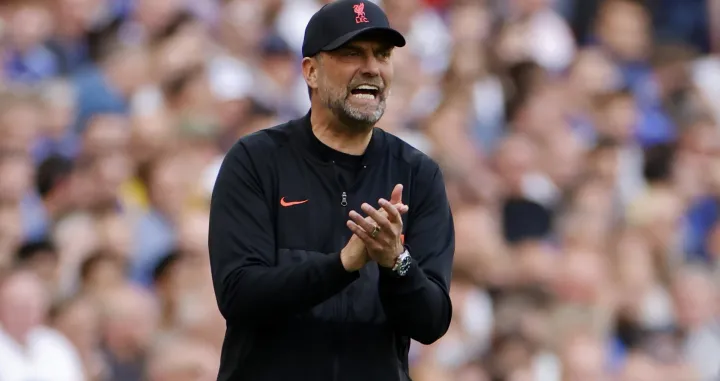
396, 196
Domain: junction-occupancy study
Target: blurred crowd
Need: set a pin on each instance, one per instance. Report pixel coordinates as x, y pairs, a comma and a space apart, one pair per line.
579, 140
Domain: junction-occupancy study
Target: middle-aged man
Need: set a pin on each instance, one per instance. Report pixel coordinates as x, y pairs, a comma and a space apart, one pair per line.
310, 288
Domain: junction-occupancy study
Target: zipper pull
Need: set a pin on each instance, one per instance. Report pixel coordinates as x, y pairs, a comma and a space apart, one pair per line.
344, 199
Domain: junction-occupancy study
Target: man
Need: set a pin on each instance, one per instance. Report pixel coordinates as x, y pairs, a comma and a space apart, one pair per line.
28, 349
309, 288
53, 182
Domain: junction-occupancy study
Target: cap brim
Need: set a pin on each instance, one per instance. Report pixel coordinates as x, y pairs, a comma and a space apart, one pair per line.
388, 34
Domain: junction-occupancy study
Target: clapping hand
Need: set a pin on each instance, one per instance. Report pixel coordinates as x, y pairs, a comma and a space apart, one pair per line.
356, 253
381, 230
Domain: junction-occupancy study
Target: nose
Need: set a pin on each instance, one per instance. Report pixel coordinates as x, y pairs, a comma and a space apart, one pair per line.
371, 67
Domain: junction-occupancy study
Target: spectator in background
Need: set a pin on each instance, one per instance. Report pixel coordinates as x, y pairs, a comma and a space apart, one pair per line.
616, 120
183, 359
58, 106
69, 43
696, 297
156, 234
17, 169
536, 32
105, 134
28, 350
119, 71
53, 182
30, 25
11, 234
130, 319
79, 320
167, 279
20, 120
147, 18
680, 20
278, 86
40, 258
100, 274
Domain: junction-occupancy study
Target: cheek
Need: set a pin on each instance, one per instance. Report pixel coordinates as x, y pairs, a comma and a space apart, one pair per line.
388, 75
331, 87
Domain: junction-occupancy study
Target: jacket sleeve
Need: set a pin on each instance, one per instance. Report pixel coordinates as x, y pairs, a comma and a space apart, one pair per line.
418, 304
248, 284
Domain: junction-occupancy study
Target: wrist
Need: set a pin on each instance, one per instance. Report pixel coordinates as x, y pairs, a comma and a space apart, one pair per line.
398, 252
400, 265
346, 261
350, 262
389, 263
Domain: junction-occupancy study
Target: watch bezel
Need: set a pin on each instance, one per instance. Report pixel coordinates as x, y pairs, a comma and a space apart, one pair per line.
402, 264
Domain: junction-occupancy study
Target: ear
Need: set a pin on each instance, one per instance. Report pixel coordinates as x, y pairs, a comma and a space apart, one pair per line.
310, 71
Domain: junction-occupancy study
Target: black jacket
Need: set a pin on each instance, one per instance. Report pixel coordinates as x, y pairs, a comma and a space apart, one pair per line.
277, 225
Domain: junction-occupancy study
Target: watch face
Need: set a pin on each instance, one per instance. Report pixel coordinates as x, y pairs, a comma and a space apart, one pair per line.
404, 265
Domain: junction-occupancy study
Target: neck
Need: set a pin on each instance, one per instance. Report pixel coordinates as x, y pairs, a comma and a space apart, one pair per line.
338, 136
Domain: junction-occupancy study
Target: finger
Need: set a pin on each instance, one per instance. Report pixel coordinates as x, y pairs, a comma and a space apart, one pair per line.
370, 243
393, 214
380, 220
396, 195
366, 224
402, 208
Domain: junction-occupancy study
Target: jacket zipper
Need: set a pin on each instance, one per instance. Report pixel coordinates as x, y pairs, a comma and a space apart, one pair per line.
341, 302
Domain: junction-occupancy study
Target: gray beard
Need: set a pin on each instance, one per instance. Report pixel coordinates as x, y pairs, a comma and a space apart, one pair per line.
353, 117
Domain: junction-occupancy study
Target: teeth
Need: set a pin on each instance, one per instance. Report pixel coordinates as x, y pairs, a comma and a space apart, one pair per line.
367, 87
364, 96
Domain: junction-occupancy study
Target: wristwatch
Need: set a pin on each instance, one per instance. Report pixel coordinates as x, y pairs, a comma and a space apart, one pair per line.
402, 263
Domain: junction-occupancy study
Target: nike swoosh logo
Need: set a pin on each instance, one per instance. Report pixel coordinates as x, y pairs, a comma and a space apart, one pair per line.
291, 203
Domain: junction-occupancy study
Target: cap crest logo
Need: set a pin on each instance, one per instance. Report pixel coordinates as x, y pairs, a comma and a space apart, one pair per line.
359, 10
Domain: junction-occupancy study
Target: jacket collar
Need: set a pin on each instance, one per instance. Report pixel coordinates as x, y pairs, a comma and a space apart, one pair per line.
313, 146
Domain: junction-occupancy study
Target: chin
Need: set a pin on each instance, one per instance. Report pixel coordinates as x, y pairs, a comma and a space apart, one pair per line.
364, 120
365, 116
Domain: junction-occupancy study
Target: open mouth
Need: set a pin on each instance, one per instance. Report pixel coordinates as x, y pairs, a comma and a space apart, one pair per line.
365, 92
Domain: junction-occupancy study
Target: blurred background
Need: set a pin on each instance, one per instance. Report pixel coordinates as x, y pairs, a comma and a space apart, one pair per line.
579, 140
